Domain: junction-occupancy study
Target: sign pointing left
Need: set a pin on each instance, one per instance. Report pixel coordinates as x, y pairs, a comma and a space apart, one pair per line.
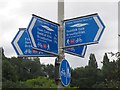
23, 46
15, 40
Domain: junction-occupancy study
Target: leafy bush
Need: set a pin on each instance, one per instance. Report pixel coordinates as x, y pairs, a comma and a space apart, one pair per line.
40, 82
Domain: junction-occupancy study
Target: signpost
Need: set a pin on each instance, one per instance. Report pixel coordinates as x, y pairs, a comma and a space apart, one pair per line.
23, 47
46, 38
83, 30
65, 73
43, 34
77, 50
60, 40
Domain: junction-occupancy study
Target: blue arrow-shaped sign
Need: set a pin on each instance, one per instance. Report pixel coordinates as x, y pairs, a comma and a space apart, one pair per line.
83, 30
43, 34
77, 50
23, 46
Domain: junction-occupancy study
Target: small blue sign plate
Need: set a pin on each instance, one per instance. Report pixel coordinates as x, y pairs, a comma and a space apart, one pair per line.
77, 50
23, 46
65, 73
43, 34
83, 30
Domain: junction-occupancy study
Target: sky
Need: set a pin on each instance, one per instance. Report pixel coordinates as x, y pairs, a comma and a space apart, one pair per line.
15, 14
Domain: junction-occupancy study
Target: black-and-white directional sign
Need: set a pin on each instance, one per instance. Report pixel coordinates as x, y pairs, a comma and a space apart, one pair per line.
23, 46
43, 34
83, 30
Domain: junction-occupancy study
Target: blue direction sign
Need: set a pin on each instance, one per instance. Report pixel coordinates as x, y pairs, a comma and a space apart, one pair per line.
65, 73
23, 47
77, 50
83, 30
43, 34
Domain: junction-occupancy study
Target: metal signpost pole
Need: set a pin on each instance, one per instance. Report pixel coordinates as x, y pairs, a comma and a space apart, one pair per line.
1, 67
118, 53
60, 37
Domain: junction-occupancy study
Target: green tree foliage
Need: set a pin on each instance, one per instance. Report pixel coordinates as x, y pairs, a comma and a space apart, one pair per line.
49, 70
109, 69
106, 66
8, 71
17, 70
118, 73
92, 77
10, 84
40, 82
86, 77
92, 62
118, 67
30, 73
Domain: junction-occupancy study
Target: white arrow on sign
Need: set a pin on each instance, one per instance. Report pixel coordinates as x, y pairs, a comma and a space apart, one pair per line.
79, 25
100, 28
30, 30
16, 42
47, 28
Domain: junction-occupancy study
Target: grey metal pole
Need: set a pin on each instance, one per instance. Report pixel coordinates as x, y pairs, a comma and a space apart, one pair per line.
119, 26
1, 67
60, 37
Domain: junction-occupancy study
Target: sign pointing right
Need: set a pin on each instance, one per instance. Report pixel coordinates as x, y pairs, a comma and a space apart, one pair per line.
83, 30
